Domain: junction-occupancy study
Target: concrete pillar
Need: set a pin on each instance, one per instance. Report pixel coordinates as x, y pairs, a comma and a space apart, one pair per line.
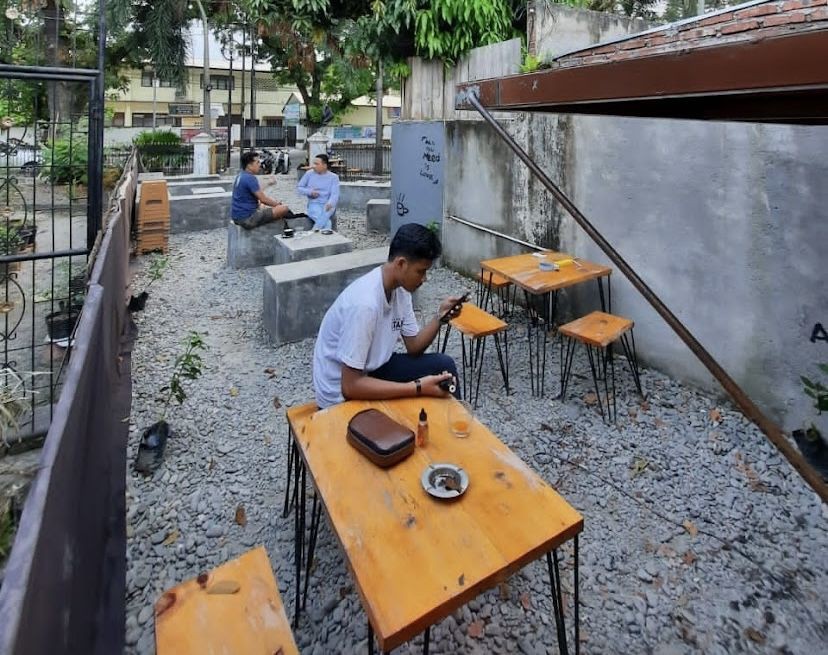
317, 145
202, 143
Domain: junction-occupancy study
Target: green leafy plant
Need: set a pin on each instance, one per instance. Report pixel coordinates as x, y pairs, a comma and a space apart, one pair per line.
157, 138
530, 64
6, 533
65, 161
816, 390
156, 269
10, 240
14, 400
188, 366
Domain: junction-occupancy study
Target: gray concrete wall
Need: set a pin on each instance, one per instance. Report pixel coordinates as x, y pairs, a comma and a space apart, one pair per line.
560, 29
726, 222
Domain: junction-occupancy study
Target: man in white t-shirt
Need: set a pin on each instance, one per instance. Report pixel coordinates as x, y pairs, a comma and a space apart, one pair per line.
354, 356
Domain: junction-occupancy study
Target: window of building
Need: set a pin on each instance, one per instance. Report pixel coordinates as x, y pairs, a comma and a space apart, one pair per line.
266, 83
145, 120
146, 80
218, 82
118, 119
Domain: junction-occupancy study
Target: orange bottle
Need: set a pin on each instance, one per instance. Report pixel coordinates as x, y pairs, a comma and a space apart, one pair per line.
422, 430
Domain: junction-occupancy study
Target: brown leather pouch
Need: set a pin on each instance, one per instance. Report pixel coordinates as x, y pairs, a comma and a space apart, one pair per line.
380, 438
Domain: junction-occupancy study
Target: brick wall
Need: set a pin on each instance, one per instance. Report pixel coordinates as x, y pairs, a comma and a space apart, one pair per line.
768, 19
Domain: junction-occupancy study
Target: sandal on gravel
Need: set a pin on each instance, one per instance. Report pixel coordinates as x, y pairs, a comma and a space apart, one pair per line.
151, 449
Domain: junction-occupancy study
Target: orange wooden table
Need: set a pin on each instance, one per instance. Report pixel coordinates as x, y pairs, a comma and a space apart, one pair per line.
416, 559
540, 289
198, 617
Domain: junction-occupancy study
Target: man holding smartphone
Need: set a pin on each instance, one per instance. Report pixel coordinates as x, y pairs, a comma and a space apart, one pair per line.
354, 357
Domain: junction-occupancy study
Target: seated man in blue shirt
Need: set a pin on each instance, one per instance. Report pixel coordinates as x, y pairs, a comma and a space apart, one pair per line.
245, 209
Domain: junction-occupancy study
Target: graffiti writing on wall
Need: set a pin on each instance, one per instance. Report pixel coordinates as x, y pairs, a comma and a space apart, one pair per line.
430, 160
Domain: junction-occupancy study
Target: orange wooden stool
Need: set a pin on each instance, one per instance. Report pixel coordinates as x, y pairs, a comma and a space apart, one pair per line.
599, 331
476, 324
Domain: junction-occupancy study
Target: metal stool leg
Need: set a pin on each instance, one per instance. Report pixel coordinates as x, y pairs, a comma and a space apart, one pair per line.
291, 446
592, 367
632, 359
478, 362
504, 367
566, 363
557, 599
445, 338
316, 516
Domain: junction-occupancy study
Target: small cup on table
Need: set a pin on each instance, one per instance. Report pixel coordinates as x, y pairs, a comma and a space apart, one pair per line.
460, 418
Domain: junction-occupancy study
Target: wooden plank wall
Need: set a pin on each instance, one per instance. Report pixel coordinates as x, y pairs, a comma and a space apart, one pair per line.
428, 93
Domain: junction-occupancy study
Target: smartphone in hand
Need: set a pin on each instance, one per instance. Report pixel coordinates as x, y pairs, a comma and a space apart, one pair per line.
457, 305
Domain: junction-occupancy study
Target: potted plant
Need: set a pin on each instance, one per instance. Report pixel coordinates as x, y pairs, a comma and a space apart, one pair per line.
10, 244
13, 403
188, 366
155, 272
810, 440
61, 324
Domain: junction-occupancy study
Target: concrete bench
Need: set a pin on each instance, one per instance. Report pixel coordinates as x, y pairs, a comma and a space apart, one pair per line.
378, 216
297, 295
309, 245
355, 195
256, 247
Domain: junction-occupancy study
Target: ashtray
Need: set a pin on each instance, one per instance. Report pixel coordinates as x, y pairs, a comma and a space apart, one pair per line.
327, 231
445, 480
287, 233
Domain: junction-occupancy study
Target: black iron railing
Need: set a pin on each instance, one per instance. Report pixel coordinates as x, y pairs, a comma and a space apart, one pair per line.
174, 159
353, 161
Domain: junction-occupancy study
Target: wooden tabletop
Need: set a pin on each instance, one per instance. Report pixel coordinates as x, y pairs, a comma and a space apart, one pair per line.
191, 619
416, 559
523, 270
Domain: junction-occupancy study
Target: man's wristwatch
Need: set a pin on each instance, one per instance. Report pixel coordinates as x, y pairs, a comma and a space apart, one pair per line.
419, 386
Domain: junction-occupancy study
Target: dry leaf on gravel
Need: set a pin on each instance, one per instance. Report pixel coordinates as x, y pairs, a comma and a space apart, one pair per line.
277, 404
526, 601
476, 629
715, 415
754, 635
271, 373
689, 557
171, 538
241, 516
691, 528
234, 392
590, 398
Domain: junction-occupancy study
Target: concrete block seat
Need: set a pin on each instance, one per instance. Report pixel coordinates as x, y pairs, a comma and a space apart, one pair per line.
257, 247
297, 295
309, 245
378, 215
355, 195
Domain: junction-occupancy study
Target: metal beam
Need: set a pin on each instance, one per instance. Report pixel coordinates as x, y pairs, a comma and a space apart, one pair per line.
48, 73
771, 429
781, 79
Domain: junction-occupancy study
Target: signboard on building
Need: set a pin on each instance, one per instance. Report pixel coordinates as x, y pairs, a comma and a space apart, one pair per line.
184, 109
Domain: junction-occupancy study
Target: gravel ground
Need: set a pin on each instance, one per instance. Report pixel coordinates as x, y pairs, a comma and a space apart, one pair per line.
698, 536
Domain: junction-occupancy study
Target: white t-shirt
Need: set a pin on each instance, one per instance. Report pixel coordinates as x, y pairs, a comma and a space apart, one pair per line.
360, 330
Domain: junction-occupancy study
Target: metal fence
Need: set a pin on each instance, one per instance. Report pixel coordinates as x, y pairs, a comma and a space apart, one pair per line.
276, 136
116, 156
352, 161
176, 159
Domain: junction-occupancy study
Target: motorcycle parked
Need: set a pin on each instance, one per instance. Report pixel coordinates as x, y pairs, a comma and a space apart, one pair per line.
275, 161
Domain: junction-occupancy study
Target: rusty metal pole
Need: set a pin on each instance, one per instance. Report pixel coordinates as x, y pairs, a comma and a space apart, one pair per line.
770, 428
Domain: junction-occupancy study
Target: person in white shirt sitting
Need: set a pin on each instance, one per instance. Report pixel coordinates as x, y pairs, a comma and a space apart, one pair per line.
354, 356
